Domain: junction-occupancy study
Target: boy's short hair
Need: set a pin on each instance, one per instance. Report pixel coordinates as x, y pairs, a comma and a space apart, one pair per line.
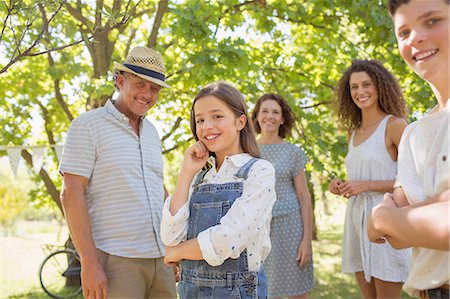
393, 5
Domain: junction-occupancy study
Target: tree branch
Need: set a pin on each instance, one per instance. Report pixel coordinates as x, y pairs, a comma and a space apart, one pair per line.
59, 48
76, 12
98, 12
56, 82
274, 81
174, 127
130, 40
50, 186
162, 8
9, 11
316, 105
48, 131
176, 146
300, 21
14, 58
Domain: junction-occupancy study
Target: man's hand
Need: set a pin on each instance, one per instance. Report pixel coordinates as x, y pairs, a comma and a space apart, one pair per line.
374, 234
93, 280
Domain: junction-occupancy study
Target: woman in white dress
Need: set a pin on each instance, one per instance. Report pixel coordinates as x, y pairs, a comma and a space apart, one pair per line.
371, 107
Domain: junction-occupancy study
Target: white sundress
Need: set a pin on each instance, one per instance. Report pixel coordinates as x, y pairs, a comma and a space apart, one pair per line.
370, 161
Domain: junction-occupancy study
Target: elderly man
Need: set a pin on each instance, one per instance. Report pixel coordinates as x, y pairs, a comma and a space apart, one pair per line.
113, 187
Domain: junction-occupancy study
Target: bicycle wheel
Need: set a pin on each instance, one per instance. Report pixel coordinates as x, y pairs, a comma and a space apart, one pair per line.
59, 274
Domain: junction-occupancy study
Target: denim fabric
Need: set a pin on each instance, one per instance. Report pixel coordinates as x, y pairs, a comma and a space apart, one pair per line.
439, 293
208, 204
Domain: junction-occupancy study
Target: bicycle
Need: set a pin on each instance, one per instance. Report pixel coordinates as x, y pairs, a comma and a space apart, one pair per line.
60, 273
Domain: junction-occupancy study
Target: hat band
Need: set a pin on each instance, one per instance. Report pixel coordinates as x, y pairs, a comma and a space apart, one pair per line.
145, 71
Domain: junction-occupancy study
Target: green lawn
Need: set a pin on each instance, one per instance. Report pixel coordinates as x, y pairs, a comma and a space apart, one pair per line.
22, 255
330, 281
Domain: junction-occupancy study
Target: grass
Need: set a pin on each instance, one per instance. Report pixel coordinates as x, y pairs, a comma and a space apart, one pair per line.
330, 282
21, 256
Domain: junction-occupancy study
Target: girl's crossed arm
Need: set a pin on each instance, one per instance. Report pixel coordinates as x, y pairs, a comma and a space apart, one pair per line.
238, 227
175, 215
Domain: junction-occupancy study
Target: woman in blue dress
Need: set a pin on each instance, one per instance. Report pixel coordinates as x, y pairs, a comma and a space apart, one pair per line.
289, 265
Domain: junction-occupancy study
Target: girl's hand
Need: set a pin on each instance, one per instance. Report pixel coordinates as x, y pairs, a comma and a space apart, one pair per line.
195, 157
352, 188
176, 272
304, 253
333, 187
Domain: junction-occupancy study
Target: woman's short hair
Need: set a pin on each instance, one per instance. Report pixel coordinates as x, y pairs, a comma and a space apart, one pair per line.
288, 115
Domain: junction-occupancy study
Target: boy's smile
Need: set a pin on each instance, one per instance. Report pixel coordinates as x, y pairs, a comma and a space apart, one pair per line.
421, 29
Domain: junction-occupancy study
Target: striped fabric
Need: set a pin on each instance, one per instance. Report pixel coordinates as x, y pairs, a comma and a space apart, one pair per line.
125, 193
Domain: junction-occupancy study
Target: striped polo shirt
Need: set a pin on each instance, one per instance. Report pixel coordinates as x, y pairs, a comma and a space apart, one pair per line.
125, 172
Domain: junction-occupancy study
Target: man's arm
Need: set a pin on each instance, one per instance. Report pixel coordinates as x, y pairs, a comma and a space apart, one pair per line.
73, 199
425, 224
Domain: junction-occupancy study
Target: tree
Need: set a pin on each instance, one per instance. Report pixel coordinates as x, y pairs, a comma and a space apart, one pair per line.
59, 54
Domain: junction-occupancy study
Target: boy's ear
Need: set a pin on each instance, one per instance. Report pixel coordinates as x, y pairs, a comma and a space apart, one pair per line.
241, 122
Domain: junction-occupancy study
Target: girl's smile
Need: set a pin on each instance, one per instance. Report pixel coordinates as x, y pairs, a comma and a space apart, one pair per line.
217, 127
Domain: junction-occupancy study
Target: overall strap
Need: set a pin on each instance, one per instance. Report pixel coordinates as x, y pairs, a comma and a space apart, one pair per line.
200, 176
245, 169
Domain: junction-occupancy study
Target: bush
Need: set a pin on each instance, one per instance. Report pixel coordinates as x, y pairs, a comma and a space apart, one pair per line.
13, 202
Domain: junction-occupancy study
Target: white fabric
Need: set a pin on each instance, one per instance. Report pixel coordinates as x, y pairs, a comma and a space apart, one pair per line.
125, 172
245, 226
14, 157
38, 158
370, 161
423, 173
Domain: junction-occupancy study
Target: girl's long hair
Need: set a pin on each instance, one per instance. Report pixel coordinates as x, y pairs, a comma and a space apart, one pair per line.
235, 101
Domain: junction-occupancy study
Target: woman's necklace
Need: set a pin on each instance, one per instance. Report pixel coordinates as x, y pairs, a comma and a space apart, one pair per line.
363, 129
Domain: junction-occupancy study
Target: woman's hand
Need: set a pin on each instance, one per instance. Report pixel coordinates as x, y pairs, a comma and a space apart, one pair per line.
352, 188
195, 157
333, 187
304, 253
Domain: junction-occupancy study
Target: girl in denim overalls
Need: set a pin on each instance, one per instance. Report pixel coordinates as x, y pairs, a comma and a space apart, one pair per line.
217, 222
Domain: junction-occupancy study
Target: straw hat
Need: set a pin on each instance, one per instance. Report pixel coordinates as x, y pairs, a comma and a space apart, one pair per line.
145, 63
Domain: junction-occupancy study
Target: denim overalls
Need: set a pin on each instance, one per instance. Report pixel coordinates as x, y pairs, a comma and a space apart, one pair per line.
208, 204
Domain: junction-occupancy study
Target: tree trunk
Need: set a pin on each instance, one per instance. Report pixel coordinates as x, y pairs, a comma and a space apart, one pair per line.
50, 186
313, 204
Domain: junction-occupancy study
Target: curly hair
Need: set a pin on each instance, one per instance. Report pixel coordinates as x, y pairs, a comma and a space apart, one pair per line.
228, 94
390, 96
288, 115
393, 5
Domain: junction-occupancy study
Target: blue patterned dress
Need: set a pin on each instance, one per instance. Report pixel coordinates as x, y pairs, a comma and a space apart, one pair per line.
285, 277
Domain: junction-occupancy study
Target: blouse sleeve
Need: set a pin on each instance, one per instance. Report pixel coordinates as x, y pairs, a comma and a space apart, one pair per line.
299, 160
174, 227
246, 217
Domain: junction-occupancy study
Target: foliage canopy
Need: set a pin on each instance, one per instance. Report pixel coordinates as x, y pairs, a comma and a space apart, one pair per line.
56, 62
